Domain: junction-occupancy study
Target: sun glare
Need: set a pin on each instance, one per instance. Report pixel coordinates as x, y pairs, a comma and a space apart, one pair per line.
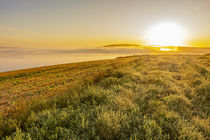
166, 34
165, 49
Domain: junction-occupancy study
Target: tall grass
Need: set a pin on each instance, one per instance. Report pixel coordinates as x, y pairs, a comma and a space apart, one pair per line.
143, 98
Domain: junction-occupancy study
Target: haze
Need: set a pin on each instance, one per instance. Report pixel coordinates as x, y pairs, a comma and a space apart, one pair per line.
87, 23
47, 32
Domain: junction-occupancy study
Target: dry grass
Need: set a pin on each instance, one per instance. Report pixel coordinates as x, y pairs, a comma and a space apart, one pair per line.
137, 97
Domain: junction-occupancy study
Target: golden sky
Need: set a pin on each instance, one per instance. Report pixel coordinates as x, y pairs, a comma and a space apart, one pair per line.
85, 23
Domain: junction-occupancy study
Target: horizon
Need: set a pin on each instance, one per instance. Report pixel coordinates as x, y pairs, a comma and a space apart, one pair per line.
37, 33
23, 58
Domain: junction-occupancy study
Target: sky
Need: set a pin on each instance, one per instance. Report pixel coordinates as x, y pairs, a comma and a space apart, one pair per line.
71, 24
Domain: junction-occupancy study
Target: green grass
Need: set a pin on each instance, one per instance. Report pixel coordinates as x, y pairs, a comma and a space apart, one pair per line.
138, 97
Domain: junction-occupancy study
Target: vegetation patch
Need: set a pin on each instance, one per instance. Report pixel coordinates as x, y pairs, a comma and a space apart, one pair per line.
137, 97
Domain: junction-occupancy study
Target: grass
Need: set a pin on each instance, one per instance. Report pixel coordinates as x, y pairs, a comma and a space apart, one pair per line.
137, 97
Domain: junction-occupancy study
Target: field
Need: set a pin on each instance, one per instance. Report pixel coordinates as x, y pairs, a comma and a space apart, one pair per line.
137, 97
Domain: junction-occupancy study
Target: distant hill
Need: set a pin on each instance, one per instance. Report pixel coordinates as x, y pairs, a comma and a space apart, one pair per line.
122, 45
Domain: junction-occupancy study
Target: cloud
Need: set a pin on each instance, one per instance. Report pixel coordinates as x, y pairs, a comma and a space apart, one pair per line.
4, 28
199, 6
11, 29
100, 51
16, 52
13, 51
27, 2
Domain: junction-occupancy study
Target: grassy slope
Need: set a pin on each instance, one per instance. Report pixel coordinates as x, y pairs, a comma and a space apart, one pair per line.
158, 96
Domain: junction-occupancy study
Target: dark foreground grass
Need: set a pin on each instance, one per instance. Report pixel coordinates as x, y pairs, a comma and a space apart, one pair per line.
147, 97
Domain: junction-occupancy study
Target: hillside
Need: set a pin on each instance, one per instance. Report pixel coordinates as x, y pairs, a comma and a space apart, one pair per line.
136, 97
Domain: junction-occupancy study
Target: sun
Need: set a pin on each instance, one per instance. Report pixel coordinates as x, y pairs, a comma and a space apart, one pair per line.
166, 34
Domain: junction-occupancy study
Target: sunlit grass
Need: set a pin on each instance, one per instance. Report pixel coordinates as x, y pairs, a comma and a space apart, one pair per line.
138, 97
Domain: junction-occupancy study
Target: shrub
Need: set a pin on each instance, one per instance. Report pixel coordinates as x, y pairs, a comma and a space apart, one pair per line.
169, 66
179, 104
7, 126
